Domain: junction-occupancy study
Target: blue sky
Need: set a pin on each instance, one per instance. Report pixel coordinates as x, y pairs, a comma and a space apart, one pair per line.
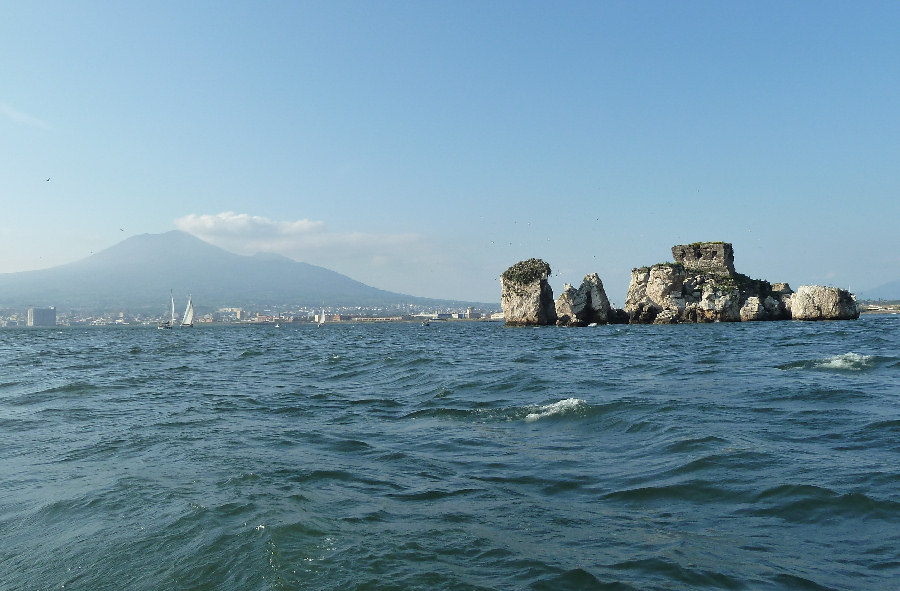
424, 147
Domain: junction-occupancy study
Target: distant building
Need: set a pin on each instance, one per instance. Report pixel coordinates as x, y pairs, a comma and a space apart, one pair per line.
42, 316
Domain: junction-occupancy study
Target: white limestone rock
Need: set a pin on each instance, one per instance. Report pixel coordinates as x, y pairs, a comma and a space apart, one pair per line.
666, 317
719, 304
753, 309
565, 307
817, 302
586, 305
653, 290
596, 305
664, 286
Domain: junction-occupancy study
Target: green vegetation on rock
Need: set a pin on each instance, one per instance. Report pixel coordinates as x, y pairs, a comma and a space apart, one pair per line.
527, 271
723, 282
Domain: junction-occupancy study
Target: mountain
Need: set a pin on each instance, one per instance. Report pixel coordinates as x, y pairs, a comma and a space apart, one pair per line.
888, 291
138, 273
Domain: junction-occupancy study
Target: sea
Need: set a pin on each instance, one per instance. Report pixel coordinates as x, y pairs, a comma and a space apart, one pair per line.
454, 456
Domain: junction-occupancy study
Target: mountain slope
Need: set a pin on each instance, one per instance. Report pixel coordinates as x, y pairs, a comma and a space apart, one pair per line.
138, 273
888, 291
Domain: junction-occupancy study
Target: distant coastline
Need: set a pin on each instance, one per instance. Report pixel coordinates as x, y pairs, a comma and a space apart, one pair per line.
264, 320
879, 307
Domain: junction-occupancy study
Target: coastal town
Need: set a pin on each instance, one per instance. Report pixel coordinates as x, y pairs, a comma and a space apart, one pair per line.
50, 316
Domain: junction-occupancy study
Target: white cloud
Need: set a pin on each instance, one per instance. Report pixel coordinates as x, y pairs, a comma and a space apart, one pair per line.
304, 240
237, 225
21, 117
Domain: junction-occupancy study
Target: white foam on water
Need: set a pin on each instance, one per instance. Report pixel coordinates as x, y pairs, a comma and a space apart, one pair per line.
557, 408
847, 361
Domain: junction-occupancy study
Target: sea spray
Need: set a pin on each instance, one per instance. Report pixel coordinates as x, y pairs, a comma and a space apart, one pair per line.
563, 407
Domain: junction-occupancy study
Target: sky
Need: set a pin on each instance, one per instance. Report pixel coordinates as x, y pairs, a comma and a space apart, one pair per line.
424, 147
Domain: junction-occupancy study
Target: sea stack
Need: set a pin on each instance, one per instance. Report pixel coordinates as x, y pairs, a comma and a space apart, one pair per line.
586, 305
526, 297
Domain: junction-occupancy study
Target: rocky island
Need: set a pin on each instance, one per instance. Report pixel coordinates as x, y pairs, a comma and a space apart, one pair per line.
701, 285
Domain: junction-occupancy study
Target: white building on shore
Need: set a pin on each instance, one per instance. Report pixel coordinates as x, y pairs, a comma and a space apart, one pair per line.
42, 316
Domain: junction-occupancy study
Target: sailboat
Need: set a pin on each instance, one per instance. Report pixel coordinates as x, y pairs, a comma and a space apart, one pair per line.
171, 322
188, 319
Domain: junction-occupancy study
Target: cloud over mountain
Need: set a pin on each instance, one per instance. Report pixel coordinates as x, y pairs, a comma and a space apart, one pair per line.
300, 239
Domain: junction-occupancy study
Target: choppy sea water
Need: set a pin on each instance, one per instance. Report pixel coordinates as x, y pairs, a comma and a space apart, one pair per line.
455, 456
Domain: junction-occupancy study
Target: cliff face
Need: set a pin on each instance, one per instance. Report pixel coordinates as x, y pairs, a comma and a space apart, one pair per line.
702, 286
526, 297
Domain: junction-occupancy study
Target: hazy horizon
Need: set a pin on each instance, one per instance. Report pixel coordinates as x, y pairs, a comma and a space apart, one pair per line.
423, 148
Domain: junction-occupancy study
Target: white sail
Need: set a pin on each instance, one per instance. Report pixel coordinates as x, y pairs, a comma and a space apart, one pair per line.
169, 323
188, 319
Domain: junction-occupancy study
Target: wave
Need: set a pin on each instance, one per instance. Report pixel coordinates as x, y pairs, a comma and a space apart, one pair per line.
578, 578
694, 444
449, 413
567, 407
730, 461
433, 494
847, 362
888, 427
815, 504
691, 575
694, 491
77, 387
617, 413
790, 581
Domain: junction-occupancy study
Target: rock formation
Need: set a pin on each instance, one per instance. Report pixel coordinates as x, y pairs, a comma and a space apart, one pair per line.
700, 286
586, 305
703, 286
814, 302
526, 297
565, 307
